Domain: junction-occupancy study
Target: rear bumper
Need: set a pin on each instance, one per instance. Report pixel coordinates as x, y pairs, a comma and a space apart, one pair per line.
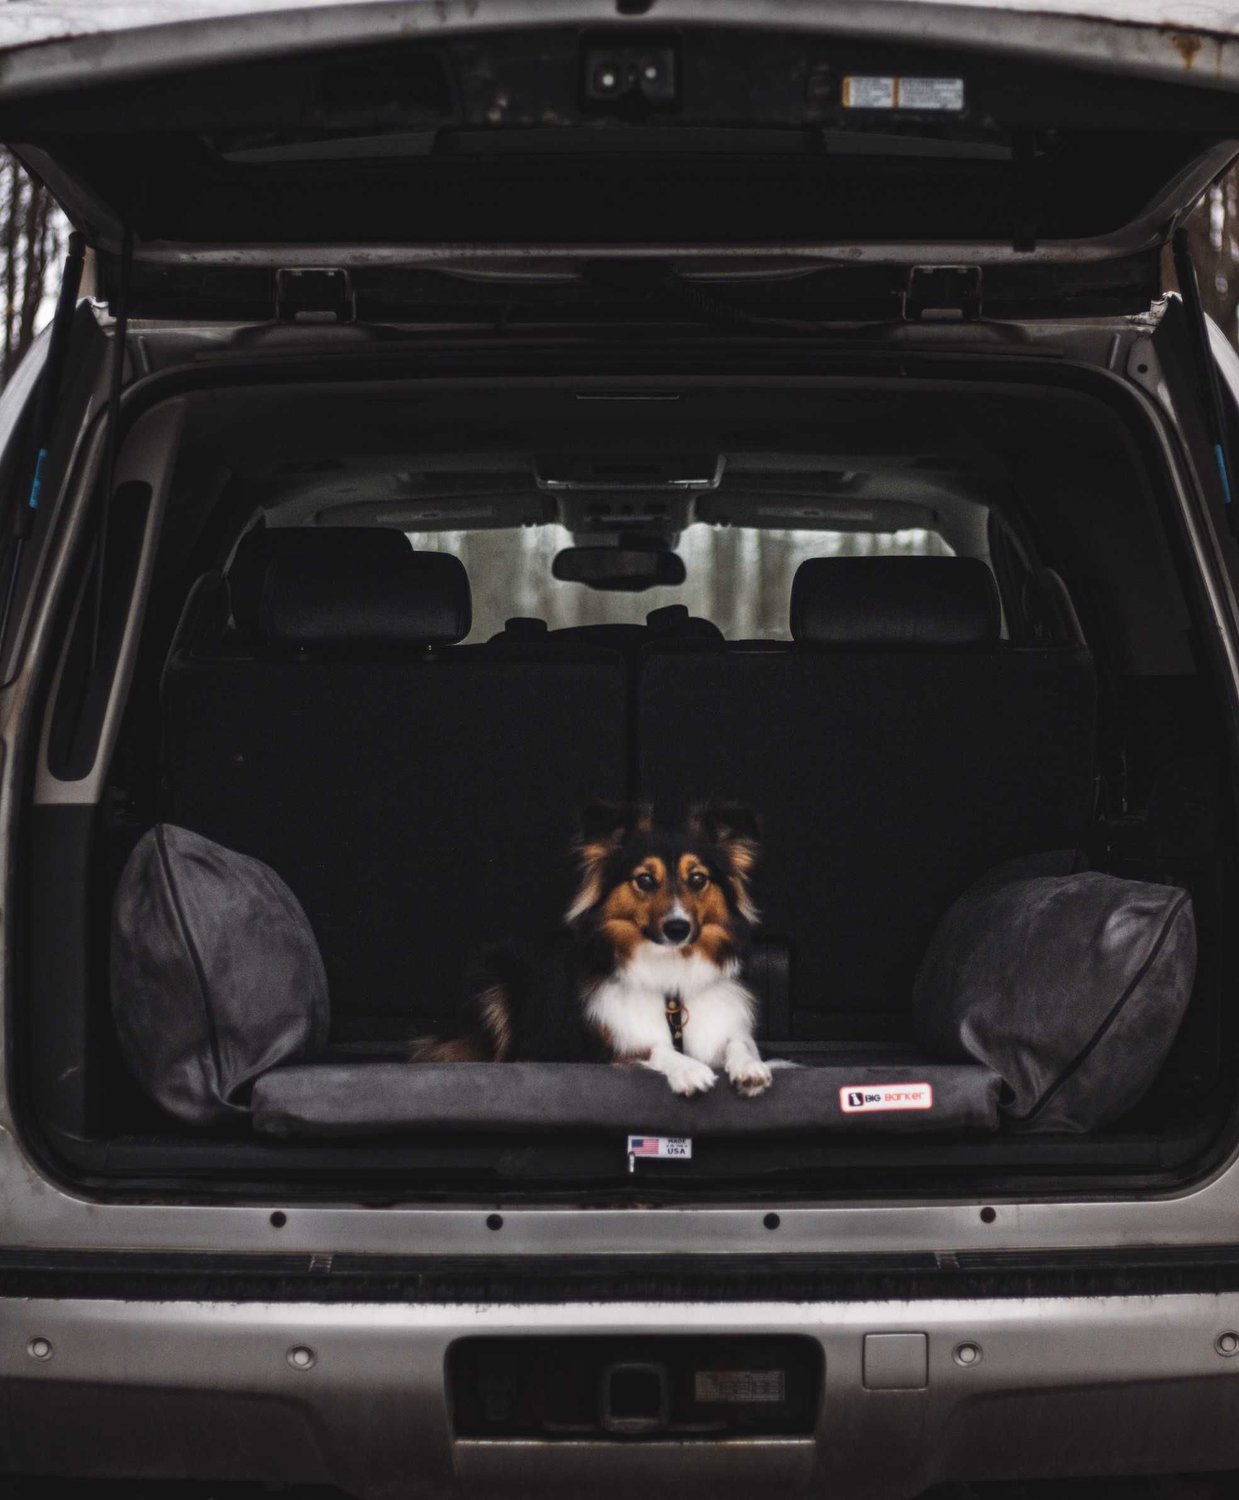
1061, 1386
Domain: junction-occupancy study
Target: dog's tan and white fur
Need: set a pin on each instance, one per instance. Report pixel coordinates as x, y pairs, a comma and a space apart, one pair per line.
629, 1007
660, 915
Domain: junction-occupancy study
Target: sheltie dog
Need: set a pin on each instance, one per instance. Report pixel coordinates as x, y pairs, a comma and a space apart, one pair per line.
650, 971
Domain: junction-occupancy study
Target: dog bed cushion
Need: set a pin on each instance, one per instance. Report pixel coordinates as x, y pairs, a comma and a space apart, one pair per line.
216, 974
1068, 983
356, 1099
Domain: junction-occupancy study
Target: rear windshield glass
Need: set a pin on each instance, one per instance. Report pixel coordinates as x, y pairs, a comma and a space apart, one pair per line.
739, 578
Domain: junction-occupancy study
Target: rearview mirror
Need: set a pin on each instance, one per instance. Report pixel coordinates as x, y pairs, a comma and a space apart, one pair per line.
622, 569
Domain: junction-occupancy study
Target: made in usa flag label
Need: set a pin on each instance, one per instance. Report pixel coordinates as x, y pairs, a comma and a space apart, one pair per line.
875, 1098
666, 1147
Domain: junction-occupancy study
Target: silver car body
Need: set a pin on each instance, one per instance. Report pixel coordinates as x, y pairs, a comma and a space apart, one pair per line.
152, 1382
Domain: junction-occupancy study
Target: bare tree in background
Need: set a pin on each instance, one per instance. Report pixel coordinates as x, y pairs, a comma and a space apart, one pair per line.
34, 232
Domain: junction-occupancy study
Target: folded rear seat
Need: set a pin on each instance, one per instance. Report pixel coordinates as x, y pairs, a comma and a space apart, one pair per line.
417, 795
896, 750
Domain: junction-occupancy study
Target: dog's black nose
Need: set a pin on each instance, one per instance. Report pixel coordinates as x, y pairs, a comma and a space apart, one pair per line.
676, 929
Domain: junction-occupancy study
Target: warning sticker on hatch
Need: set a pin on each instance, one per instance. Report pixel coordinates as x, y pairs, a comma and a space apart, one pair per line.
870, 93
903, 93
875, 1098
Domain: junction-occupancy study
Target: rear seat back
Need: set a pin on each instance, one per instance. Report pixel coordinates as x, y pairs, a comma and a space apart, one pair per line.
895, 751
417, 795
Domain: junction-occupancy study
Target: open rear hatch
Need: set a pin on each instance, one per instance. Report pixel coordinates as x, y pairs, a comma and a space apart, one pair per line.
409, 169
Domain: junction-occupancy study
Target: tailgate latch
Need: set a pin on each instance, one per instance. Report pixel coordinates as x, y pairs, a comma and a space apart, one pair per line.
634, 1399
314, 294
934, 292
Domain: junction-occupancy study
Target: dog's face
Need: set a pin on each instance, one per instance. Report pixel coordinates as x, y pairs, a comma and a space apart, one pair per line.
685, 889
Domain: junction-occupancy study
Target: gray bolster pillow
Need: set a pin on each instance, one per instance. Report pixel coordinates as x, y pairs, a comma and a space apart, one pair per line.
216, 974
1070, 986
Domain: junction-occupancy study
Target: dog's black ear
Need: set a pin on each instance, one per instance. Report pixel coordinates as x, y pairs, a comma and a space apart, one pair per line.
735, 829
728, 823
604, 827
607, 822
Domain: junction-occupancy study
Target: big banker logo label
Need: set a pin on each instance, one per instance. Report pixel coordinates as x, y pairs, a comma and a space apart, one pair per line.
871, 1098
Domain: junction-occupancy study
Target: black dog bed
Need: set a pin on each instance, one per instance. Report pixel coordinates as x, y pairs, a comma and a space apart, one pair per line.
1048, 998
349, 1099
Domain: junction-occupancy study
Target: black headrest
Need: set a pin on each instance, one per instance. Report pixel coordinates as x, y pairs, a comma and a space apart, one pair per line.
934, 602
363, 591
673, 622
522, 628
1050, 616
259, 546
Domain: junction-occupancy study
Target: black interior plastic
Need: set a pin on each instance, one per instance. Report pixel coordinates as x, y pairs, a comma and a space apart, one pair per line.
506, 137
90, 663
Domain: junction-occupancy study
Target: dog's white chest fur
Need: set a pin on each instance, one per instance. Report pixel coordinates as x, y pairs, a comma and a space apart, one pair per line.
630, 1008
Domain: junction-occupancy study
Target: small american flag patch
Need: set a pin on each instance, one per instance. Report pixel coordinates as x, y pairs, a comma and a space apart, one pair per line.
679, 1147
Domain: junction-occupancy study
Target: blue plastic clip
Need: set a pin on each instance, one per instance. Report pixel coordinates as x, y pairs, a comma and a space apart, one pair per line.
36, 484
1221, 468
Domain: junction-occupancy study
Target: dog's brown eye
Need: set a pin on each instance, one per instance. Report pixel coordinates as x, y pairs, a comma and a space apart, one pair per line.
646, 881
698, 880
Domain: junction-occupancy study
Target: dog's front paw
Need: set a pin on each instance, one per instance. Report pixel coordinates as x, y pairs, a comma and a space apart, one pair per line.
688, 1076
750, 1077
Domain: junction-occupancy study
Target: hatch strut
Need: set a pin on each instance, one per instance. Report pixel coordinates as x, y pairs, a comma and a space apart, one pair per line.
1207, 373
44, 418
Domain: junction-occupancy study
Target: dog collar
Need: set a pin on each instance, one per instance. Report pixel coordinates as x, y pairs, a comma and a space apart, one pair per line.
677, 1017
